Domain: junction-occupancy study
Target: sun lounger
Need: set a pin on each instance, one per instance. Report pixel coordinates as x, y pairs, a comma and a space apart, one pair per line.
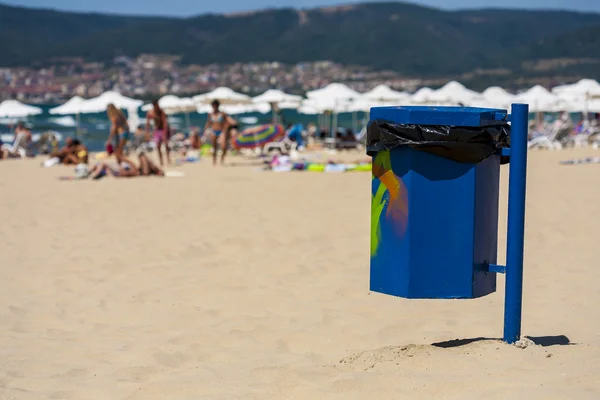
284, 146
18, 146
546, 139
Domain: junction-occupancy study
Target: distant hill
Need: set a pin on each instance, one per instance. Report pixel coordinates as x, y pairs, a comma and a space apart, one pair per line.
406, 38
28, 35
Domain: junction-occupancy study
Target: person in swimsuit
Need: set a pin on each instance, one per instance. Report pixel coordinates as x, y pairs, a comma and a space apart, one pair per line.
218, 125
161, 129
73, 153
124, 169
194, 139
119, 127
147, 167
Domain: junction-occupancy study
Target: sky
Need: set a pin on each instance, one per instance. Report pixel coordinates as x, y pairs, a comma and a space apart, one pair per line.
195, 7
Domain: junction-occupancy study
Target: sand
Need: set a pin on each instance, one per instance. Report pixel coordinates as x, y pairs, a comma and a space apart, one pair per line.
230, 283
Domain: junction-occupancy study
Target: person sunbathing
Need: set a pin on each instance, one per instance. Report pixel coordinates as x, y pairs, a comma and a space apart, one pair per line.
73, 153
76, 152
125, 169
147, 167
194, 139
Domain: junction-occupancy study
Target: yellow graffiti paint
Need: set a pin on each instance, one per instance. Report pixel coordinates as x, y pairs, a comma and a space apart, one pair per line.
396, 199
377, 206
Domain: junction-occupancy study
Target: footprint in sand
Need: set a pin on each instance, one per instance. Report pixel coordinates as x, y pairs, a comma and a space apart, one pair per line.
368, 359
172, 360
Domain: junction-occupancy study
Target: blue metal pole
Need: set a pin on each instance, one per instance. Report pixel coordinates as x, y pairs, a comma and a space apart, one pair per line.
516, 223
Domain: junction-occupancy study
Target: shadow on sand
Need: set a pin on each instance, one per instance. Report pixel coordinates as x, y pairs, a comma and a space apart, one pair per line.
544, 341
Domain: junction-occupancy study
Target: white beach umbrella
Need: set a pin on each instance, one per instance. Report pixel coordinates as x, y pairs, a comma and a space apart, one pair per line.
262, 108
582, 96
539, 100
383, 94
100, 103
364, 104
16, 109
585, 88
422, 96
276, 96
455, 93
580, 105
187, 104
496, 97
289, 105
173, 105
309, 107
235, 109
333, 96
337, 106
71, 107
224, 95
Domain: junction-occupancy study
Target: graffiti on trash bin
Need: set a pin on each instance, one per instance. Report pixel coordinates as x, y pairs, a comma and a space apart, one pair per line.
391, 193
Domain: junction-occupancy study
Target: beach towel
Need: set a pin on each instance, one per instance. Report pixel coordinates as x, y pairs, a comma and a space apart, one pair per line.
335, 168
174, 174
51, 162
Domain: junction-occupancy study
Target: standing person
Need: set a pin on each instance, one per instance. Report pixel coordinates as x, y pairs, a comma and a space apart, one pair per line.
161, 129
120, 128
218, 122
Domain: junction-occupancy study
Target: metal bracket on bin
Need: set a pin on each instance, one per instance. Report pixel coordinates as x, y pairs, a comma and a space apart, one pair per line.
500, 269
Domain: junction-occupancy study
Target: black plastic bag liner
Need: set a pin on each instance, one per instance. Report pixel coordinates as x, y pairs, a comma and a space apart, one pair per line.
463, 144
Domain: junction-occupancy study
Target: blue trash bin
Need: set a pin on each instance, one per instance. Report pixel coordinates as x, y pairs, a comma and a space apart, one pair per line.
434, 221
